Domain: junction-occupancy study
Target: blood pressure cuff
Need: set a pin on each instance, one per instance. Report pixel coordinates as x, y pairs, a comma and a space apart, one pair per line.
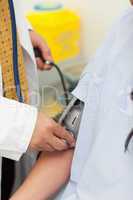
72, 115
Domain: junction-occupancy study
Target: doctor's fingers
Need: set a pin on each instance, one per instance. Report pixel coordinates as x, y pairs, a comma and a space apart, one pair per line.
46, 54
49, 148
41, 66
45, 148
45, 50
58, 144
62, 133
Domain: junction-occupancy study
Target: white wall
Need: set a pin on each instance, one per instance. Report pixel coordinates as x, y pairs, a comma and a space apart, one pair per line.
97, 17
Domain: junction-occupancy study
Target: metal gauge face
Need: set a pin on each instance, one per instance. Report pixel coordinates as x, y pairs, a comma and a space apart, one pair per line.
71, 118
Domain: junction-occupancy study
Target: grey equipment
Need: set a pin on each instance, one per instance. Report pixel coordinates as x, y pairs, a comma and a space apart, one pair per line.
71, 117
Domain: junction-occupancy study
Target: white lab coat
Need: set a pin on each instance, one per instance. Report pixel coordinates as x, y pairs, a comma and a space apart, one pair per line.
101, 169
18, 120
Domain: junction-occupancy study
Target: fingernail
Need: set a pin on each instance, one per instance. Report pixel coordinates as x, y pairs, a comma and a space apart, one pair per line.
73, 144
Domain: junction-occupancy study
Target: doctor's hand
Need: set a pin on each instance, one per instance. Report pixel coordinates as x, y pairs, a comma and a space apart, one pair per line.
50, 136
38, 42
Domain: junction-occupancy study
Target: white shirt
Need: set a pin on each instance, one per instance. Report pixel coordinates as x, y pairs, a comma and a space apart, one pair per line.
18, 120
101, 169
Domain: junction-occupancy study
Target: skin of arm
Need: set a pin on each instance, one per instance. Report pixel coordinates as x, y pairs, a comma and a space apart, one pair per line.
50, 173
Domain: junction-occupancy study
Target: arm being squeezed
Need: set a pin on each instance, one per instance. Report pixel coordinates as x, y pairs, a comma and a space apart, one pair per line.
50, 173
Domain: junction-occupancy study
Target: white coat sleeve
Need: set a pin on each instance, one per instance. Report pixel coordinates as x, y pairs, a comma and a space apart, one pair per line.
20, 14
17, 122
29, 26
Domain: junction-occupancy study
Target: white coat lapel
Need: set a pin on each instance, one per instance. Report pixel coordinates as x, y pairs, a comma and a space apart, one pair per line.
1, 85
23, 30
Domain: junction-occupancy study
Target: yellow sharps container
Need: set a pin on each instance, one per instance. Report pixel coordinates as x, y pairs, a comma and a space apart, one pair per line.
60, 27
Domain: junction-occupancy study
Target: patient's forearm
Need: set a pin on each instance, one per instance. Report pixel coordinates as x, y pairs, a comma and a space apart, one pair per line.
48, 176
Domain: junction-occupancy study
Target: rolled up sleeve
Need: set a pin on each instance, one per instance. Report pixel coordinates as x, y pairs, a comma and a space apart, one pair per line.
81, 90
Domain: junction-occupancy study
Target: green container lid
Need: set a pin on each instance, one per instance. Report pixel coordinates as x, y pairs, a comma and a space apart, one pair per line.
48, 6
